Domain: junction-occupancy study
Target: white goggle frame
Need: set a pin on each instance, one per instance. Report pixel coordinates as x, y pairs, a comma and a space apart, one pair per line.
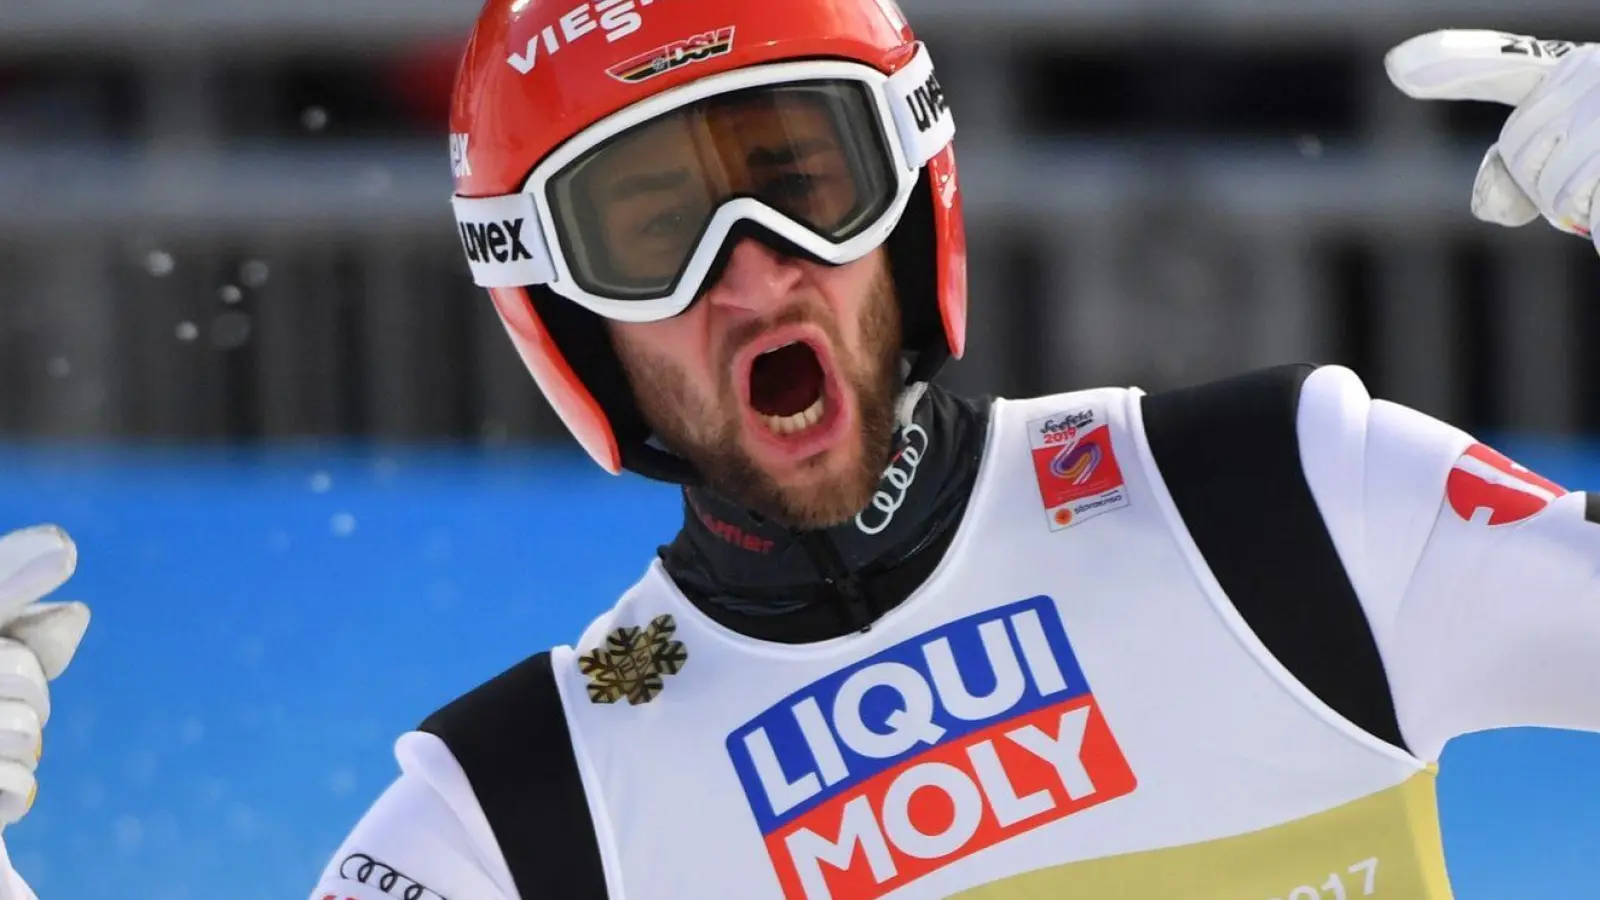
504, 251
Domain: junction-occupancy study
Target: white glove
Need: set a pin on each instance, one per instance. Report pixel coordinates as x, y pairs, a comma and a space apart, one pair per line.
37, 641
1547, 160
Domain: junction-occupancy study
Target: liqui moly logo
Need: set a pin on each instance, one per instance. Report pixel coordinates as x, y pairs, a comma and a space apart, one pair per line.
925, 753
460, 163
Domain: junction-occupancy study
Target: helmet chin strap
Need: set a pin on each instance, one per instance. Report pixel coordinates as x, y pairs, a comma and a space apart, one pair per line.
905, 406
650, 459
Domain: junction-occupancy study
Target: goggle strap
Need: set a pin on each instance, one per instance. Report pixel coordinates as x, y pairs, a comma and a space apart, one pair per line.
921, 114
502, 239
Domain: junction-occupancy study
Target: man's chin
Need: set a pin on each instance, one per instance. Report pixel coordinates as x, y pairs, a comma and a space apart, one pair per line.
819, 491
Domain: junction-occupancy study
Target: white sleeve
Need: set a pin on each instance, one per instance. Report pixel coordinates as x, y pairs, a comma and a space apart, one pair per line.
425, 838
19, 889
1478, 577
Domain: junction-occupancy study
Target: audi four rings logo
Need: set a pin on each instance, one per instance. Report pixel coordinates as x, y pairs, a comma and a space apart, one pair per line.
363, 869
901, 473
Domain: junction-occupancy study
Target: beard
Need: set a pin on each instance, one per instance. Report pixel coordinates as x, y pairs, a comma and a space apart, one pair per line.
705, 431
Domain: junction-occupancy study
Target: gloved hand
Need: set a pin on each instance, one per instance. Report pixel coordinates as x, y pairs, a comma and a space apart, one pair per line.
37, 641
1547, 159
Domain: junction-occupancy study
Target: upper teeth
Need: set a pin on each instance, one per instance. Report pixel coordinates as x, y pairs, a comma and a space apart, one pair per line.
777, 348
803, 419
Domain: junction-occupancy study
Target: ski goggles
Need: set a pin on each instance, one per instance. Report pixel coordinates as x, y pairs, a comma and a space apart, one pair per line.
628, 218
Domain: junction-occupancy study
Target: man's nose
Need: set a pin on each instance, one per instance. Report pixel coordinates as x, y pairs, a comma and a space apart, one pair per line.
755, 279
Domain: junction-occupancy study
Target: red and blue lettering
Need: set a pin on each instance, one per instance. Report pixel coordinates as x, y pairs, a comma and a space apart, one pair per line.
927, 752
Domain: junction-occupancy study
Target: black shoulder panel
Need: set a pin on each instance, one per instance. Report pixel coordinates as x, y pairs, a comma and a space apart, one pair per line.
1229, 452
510, 736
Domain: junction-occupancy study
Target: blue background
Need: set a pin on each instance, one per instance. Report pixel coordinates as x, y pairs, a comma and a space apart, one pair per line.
267, 622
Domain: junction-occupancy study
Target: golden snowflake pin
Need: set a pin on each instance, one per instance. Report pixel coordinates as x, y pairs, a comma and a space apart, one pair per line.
633, 662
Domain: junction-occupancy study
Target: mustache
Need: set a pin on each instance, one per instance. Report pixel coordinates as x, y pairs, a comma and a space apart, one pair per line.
744, 334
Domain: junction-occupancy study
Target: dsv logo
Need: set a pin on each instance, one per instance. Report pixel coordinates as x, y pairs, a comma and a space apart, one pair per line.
363, 869
898, 477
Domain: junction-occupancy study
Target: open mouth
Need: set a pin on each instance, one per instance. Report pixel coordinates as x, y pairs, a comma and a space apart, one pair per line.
795, 408
788, 388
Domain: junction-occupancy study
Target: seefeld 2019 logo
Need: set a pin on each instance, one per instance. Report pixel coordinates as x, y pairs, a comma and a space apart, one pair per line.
925, 753
1076, 465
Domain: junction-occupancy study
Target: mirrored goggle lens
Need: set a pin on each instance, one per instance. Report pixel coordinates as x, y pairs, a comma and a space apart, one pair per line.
630, 213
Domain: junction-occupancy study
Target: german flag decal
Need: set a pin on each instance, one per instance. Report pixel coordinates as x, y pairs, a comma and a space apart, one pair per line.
651, 63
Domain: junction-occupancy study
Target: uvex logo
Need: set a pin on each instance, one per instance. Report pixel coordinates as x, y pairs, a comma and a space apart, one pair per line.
927, 103
460, 165
925, 753
494, 241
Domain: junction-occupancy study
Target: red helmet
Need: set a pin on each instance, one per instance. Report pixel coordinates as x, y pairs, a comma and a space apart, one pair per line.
551, 92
